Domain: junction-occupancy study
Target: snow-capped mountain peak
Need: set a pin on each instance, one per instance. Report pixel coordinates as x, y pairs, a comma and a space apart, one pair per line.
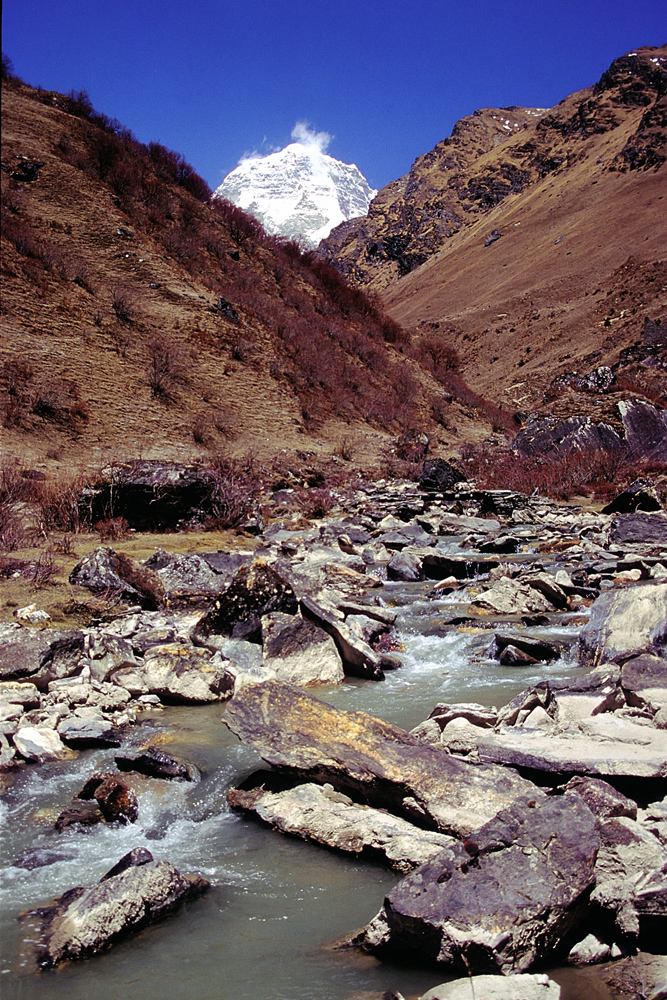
299, 192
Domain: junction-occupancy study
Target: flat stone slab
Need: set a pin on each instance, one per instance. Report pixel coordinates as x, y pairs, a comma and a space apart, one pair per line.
521, 987
603, 746
371, 759
320, 814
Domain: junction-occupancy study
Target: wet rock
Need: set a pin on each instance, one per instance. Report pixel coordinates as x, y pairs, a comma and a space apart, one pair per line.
133, 859
404, 566
521, 987
625, 623
359, 660
512, 656
256, 590
368, 758
509, 597
39, 744
437, 565
507, 899
40, 858
79, 812
640, 495
156, 763
84, 921
439, 476
535, 649
179, 673
299, 652
408, 534
117, 802
324, 816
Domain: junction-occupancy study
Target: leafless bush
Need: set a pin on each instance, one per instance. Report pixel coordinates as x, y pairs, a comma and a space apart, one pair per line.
224, 421
59, 402
166, 368
316, 502
235, 486
201, 427
42, 571
346, 449
61, 506
112, 528
123, 303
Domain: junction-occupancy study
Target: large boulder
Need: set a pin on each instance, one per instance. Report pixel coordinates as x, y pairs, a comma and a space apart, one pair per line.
25, 651
39, 744
193, 580
299, 652
84, 921
155, 763
503, 900
369, 758
625, 623
645, 429
324, 816
179, 673
438, 475
256, 590
359, 659
104, 571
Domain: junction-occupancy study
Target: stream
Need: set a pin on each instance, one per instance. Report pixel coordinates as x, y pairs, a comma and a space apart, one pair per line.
268, 927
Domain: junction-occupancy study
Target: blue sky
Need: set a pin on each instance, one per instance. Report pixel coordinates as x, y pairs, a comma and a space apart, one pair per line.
215, 79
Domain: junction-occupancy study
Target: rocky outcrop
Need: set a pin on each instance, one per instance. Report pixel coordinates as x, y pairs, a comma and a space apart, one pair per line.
83, 922
368, 758
518, 987
255, 591
511, 894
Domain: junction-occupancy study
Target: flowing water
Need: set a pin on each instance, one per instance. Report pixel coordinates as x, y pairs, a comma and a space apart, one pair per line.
267, 929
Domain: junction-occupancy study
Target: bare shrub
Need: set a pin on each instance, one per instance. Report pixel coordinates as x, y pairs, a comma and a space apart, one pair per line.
42, 571
346, 448
224, 421
123, 303
14, 490
316, 502
112, 528
61, 506
17, 376
235, 486
201, 427
59, 402
166, 368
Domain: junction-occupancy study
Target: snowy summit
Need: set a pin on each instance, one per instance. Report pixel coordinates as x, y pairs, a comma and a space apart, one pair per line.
300, 192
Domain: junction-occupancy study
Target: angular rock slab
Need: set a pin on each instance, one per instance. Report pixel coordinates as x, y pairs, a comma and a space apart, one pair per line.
256, 590
511, 894
605, 746
320, 814
84, 921
373, 760
521, 987
299, 652
182, 673
625, 623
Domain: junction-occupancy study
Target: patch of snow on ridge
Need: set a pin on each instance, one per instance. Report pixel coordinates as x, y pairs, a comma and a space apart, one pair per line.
299, 192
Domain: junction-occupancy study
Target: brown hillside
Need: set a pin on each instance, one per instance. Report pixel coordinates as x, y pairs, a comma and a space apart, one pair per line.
579, 196
140, 319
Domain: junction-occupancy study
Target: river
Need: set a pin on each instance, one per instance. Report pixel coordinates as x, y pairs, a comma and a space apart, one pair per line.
267, 929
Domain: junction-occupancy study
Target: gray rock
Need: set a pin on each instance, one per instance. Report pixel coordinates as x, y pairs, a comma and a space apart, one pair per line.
511, 894
521, 987
108, 653
509, 597
84, 921
645, 429
405, 566
590, 951
23, 650
369, 758
644, 681
40, 744
82, 734
625, 623
299, 652
602, 746
179, 673
640, 495
642, 529
189, 579
324, 816
20, 693
358, 658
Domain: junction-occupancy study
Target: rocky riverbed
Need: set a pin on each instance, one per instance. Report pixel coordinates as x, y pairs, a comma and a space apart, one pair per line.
528, 834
